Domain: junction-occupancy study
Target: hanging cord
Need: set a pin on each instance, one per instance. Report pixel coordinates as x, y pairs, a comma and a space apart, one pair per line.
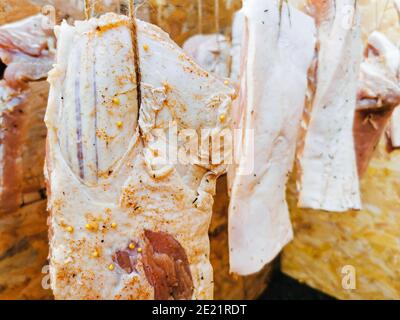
159, 13
118, 3
87, 9
132, 11
383, 14
200, 15
217, 26
216, 8
135, 52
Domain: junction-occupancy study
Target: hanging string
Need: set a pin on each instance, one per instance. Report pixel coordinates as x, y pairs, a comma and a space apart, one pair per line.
216, 7
159, 13
87, 9
383, 14
119, 7
200, 15
135, 51
92, 8
132, 9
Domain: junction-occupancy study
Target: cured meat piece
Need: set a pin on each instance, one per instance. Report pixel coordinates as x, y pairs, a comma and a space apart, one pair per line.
27, 48
378, 95
211, 52
328, 169
22, 109
124, 218
379, 79
278, 49
23, 229
26, 36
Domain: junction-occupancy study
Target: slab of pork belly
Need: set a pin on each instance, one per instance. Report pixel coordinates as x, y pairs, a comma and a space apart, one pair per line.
124, 224
328, 169
278, 49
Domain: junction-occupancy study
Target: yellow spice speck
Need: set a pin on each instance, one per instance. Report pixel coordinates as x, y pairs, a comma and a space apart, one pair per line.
95, 254
116, 101
92, 227
139, 250
70, 229
113, 225
226, 82
111, 267
146, 47
132, 246
119, 124
222, 117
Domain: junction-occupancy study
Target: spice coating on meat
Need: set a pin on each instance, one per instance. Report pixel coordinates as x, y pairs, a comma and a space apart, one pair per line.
96, 211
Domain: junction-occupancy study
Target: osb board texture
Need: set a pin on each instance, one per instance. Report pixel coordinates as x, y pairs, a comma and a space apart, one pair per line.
368, 240
34, 141
23, 253
10, 10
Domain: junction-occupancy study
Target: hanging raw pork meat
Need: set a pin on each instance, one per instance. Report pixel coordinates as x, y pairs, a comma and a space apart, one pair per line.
328, 170
26, 51
26, 48
211, 52
127, 223
378, 95
278, 49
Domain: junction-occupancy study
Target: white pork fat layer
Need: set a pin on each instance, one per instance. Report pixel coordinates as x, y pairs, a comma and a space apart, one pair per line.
329, 179
278, 50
